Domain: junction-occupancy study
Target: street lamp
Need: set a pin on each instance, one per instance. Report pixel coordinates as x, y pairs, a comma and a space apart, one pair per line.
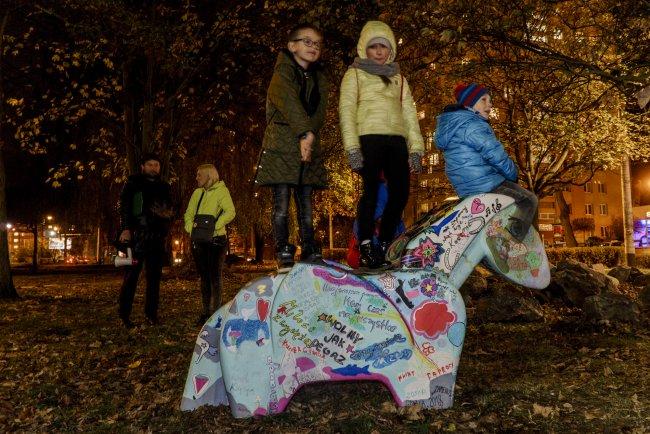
49, 218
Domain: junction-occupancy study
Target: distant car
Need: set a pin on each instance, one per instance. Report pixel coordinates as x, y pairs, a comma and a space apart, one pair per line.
594, 241
233, 259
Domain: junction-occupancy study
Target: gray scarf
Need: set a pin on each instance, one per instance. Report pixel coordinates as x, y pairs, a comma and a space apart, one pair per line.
387, 69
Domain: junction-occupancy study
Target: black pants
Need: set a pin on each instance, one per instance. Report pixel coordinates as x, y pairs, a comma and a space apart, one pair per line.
390, 155
209, 259
153, 256
302, 197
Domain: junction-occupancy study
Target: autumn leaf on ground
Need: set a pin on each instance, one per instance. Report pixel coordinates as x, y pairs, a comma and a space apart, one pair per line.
413, 412
388, 407
135, 364
542, 410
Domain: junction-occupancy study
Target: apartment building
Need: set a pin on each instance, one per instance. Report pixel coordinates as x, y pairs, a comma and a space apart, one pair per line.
600, 199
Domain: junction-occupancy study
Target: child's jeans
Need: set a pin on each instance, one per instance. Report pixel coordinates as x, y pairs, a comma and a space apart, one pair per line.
302, 197
526, 202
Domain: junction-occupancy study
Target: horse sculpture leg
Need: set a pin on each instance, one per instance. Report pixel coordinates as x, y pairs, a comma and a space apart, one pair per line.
205, 383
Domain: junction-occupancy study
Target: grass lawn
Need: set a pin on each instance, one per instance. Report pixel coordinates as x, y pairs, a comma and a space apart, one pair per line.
67, 364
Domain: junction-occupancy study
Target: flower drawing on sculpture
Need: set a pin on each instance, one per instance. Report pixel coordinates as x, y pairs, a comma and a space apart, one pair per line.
429, 287
428, 252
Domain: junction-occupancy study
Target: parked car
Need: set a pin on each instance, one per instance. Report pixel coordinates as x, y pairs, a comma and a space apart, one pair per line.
594, 241
613, 243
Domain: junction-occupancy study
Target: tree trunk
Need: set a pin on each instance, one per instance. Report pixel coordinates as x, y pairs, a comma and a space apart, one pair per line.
331, 228
259, 246
628, 221
7, 288
132, 156
569, 238
35, 249
148, 107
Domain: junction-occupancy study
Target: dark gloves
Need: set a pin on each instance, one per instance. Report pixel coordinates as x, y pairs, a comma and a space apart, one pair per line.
355, 158
415, 162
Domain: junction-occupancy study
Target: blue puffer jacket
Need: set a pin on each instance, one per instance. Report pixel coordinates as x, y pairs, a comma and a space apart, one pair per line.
475, 160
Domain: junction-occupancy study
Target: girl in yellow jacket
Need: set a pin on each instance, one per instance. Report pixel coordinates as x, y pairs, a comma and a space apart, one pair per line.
210, 197
380, 132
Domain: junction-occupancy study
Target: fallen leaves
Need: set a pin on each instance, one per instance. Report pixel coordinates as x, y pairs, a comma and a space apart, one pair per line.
64, 371
543, 411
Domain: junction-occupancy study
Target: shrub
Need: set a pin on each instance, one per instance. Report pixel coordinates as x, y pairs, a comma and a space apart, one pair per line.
608, 256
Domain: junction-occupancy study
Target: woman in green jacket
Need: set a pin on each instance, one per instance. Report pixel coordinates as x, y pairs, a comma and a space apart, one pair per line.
380, 133
211, 197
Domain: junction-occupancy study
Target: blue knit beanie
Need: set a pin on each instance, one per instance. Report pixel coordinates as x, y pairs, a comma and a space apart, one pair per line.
469, 94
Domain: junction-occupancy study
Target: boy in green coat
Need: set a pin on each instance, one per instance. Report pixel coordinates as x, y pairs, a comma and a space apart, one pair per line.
291, 157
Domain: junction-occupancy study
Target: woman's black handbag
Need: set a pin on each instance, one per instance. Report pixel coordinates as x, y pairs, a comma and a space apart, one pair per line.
203, 226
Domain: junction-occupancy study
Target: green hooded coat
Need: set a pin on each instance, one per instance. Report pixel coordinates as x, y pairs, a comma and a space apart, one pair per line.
292, 95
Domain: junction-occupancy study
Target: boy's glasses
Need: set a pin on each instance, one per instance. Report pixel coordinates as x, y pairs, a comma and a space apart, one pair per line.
309, 43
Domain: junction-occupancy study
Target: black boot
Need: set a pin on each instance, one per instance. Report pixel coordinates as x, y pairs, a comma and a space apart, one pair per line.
383, 249
202, 319
127, 322
371, 256
285, 256
310, 252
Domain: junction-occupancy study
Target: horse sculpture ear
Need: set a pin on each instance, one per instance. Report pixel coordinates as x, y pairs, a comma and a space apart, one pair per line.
524, 262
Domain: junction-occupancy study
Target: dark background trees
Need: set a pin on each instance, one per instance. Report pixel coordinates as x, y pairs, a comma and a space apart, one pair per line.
87, 86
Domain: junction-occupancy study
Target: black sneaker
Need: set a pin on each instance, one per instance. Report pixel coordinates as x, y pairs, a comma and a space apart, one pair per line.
371, 256
285, 256
311, 253
201, 319
127, 322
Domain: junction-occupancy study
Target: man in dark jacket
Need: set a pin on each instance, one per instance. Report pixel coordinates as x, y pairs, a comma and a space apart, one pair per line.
145, 214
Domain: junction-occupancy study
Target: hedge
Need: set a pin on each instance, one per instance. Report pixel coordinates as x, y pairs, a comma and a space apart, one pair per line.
608, 256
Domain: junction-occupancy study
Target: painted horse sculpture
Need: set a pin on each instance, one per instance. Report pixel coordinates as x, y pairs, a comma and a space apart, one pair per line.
403, 325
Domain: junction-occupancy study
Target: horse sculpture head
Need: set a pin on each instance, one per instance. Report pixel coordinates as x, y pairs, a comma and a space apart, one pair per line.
453, 238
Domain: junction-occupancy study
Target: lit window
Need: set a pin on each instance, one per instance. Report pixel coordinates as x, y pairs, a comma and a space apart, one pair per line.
603, 209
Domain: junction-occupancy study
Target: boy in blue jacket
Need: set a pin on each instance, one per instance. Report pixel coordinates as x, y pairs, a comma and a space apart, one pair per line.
475, 160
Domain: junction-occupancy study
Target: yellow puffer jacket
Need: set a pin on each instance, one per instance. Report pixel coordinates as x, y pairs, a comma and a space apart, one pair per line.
369, 106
